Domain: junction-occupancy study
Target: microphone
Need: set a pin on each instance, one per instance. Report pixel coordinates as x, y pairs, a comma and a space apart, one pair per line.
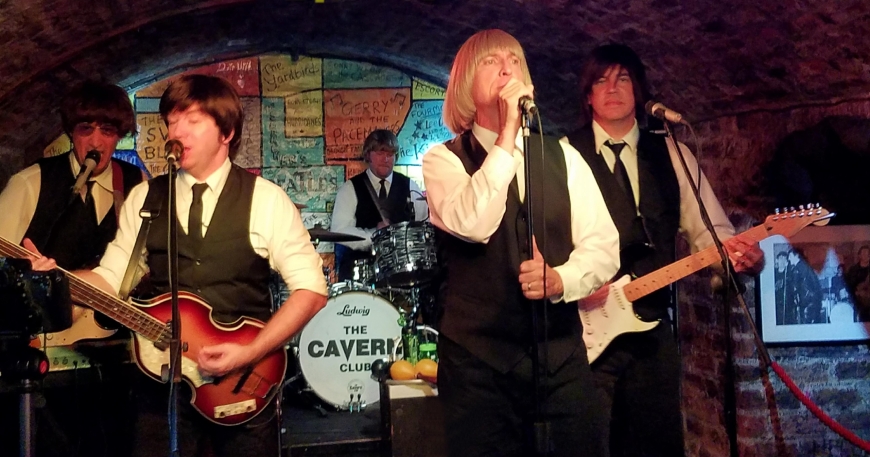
173, 149
92, 158
528, 105
661, 111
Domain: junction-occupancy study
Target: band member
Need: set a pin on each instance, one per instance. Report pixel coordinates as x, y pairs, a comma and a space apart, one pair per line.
41, 213
804, 290
233, 227
650, 200
492, 282
38, 204
356, 212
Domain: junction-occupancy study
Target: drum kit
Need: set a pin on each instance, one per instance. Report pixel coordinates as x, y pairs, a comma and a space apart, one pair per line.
363, 318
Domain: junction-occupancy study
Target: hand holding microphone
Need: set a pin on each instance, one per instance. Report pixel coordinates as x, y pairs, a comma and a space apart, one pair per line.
514, 99
92, 158
527, 105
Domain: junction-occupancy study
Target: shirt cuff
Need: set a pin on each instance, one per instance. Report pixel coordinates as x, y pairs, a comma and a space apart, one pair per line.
572, 289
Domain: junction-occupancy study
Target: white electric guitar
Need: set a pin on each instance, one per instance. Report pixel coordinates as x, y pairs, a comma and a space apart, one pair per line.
609, 312
85, 325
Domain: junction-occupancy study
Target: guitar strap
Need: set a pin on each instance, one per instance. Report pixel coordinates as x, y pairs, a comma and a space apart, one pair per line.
149, 211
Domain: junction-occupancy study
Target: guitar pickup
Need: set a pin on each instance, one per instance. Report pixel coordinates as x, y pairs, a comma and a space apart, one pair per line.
234, 409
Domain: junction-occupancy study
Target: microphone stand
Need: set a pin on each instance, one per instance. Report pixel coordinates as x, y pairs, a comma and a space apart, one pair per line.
173, 373
540, 426
729, 401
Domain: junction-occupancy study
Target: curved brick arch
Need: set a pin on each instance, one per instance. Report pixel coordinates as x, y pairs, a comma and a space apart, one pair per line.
706, 58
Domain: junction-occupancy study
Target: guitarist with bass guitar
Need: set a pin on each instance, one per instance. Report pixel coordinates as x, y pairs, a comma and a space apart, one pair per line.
233, 228
650, 200
66, 206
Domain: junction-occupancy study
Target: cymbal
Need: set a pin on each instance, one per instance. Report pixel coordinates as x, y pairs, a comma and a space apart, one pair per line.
319, 233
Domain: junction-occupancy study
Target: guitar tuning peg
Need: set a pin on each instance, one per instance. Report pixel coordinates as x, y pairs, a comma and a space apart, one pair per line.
776, 210
791, 208
801, 207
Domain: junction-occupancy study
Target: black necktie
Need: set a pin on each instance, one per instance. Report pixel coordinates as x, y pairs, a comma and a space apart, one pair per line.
382, 194
619, 170
89, 196
194, 225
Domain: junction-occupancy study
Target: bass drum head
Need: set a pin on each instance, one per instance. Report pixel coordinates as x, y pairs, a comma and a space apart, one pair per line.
339, 344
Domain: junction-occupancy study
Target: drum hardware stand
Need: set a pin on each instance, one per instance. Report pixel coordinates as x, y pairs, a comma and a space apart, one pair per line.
356, 406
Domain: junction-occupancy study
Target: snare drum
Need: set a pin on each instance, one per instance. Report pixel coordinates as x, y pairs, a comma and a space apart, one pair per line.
404, 254
339, 344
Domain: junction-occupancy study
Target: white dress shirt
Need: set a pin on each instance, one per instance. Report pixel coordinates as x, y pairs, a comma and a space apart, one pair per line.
472, 207
276, 230
691, 225
19, 199
344, 210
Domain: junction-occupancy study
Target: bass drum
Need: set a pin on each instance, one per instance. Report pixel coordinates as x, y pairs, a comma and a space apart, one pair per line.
339, 344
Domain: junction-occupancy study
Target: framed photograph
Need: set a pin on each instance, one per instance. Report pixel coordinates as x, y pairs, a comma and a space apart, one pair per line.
815, 287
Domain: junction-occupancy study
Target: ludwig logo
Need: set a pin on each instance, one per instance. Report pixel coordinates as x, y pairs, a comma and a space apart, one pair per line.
350, 311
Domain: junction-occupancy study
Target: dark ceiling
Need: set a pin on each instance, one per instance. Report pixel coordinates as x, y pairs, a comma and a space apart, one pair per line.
706, 57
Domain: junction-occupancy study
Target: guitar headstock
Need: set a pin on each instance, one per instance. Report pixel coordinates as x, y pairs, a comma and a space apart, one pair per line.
789, 221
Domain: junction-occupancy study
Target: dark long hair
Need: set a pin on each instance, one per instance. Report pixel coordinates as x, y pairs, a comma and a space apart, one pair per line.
609, 55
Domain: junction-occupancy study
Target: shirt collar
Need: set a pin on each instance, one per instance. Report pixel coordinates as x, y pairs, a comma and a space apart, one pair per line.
487, 138
377, 181
103, 180
631, 138
215, 181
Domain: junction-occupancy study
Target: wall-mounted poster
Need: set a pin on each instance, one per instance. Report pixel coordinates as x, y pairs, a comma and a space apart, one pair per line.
815, 287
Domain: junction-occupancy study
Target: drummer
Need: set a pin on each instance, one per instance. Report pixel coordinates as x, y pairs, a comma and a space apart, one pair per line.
373, 200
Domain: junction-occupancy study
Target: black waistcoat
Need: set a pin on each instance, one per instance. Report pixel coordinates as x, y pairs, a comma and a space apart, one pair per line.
396, 207
659, 208
66, 228
482, 303
223, 268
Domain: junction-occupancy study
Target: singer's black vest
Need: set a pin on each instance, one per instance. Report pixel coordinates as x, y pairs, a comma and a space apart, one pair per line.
223, 268
66, 228
659, 208
482, 303
367, 216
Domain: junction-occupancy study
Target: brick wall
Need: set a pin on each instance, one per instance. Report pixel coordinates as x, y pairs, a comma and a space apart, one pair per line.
771, 421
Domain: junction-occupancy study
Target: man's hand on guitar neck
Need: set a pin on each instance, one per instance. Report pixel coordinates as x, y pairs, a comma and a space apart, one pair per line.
38, 262
745, 255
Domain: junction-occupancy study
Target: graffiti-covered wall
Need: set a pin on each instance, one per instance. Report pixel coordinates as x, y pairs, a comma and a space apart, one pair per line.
305, 121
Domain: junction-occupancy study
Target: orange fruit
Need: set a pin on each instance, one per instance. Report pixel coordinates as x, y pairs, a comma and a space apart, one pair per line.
402, 370
427, 369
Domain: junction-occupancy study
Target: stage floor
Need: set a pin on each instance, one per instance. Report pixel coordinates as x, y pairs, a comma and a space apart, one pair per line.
308, 431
